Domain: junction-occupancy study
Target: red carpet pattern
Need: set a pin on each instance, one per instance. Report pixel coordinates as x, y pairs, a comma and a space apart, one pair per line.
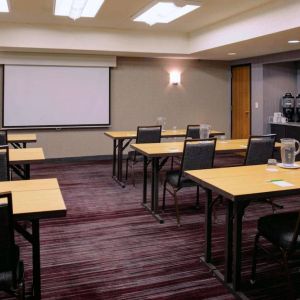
110, 247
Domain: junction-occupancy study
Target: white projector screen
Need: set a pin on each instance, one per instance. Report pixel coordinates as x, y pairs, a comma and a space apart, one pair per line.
56, 96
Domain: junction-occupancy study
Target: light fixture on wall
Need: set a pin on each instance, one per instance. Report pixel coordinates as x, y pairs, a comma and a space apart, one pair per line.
4, 6
164, 11
175, 77
293, 41
77, 8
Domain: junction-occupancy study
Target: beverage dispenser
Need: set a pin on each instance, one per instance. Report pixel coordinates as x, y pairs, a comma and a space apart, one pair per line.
288, 104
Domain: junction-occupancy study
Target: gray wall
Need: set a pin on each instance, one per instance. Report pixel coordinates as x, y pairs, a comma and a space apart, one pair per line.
140, 92
278, 79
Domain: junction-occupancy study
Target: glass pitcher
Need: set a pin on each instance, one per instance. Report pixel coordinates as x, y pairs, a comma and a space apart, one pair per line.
288, 151
204, 131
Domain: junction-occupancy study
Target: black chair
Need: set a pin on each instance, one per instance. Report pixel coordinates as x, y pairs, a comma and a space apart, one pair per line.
3, 137
192, 132
4, 163
197, 154
11, 267
260, 149
283, 231
145, 134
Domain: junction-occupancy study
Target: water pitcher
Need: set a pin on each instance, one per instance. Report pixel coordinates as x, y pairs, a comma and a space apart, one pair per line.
204, 131
288, 151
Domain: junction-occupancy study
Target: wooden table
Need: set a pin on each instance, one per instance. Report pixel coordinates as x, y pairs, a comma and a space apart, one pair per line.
21, 140
163, 150
240, 186
34, 200
25, 157
122, 139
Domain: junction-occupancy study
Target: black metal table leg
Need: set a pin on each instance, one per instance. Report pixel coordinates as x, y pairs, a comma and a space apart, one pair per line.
208, 226
114, 158
27, 171
145, 180
119, 176
237, 244
36, 259
228, 243
154, 189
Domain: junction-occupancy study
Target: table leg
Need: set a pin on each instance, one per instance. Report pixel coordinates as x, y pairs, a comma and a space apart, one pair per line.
36, 259
24, 144
27, 171
208, 226
114, 158
119, 176
154, 189
228, 243
238, 210
145, 181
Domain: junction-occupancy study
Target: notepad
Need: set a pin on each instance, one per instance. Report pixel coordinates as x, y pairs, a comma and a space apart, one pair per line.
282, 183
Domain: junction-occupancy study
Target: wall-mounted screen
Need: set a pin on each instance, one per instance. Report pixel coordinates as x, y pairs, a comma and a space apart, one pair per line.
56, 96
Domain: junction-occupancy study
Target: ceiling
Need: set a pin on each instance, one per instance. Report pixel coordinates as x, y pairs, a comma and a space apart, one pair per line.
184, 34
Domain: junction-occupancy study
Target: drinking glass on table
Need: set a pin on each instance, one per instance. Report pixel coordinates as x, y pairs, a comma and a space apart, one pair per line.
204, 131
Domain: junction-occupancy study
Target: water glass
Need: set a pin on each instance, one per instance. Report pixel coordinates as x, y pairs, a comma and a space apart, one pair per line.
204, 131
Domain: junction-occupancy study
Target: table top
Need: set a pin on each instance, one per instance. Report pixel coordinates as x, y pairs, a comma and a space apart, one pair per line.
21, 138
248, 182
176, 148
35, 199
26, 155
131, 134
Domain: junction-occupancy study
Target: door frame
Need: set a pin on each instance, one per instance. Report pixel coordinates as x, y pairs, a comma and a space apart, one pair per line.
250, 108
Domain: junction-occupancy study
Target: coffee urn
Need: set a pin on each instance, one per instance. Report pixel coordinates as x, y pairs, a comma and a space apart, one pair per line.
297, 108
288, 104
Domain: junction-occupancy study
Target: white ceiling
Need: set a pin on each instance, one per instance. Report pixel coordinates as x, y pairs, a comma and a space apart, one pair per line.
187, 36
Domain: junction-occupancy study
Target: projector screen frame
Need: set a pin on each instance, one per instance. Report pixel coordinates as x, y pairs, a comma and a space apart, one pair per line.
56, 127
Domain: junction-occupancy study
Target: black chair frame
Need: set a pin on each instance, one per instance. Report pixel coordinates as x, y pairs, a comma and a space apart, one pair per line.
174, 190
285, 254
5, 147
188, 131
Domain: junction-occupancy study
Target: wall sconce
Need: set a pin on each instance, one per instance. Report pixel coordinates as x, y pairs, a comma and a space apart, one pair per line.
175, 77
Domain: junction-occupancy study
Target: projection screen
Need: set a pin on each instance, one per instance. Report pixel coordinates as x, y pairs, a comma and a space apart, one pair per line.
56, 96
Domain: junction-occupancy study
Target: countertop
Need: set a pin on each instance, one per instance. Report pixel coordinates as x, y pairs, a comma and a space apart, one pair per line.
297, 124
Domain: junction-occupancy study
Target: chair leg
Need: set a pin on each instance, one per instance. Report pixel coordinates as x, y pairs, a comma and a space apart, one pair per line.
253, 273
164, 195
177, 209
133, 174
21, 291
288, 275
126, 175
198, 197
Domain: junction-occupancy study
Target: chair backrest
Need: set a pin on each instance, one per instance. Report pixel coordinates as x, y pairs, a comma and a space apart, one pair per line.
7, 239
260, 149
148, 134
198, 154
193, 132
3, 137
4, 163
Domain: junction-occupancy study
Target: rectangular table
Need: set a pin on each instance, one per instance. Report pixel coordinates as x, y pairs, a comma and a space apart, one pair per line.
240, 186
119, 138
25, 157
34, 200
20, 140
162, 150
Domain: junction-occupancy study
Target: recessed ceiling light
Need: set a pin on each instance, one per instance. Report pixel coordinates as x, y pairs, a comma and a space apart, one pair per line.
164, 12
293, 41
4, 6
77, 8
231, 53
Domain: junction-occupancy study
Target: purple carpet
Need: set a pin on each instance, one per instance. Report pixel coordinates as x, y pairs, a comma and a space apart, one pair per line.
110, 247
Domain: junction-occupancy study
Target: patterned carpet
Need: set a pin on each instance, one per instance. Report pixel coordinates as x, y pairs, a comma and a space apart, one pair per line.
109, 247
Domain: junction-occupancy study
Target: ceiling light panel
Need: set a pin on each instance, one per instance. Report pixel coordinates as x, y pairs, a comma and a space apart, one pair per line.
164, 12
77, 8
4, 6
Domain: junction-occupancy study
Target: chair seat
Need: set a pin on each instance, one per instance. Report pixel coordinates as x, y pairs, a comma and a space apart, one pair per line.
173, 176
279, 228
135, 156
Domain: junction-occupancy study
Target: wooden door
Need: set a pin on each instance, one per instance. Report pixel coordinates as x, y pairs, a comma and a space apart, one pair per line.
240, 102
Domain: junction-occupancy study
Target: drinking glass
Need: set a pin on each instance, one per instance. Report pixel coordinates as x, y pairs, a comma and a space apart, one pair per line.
204, 131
